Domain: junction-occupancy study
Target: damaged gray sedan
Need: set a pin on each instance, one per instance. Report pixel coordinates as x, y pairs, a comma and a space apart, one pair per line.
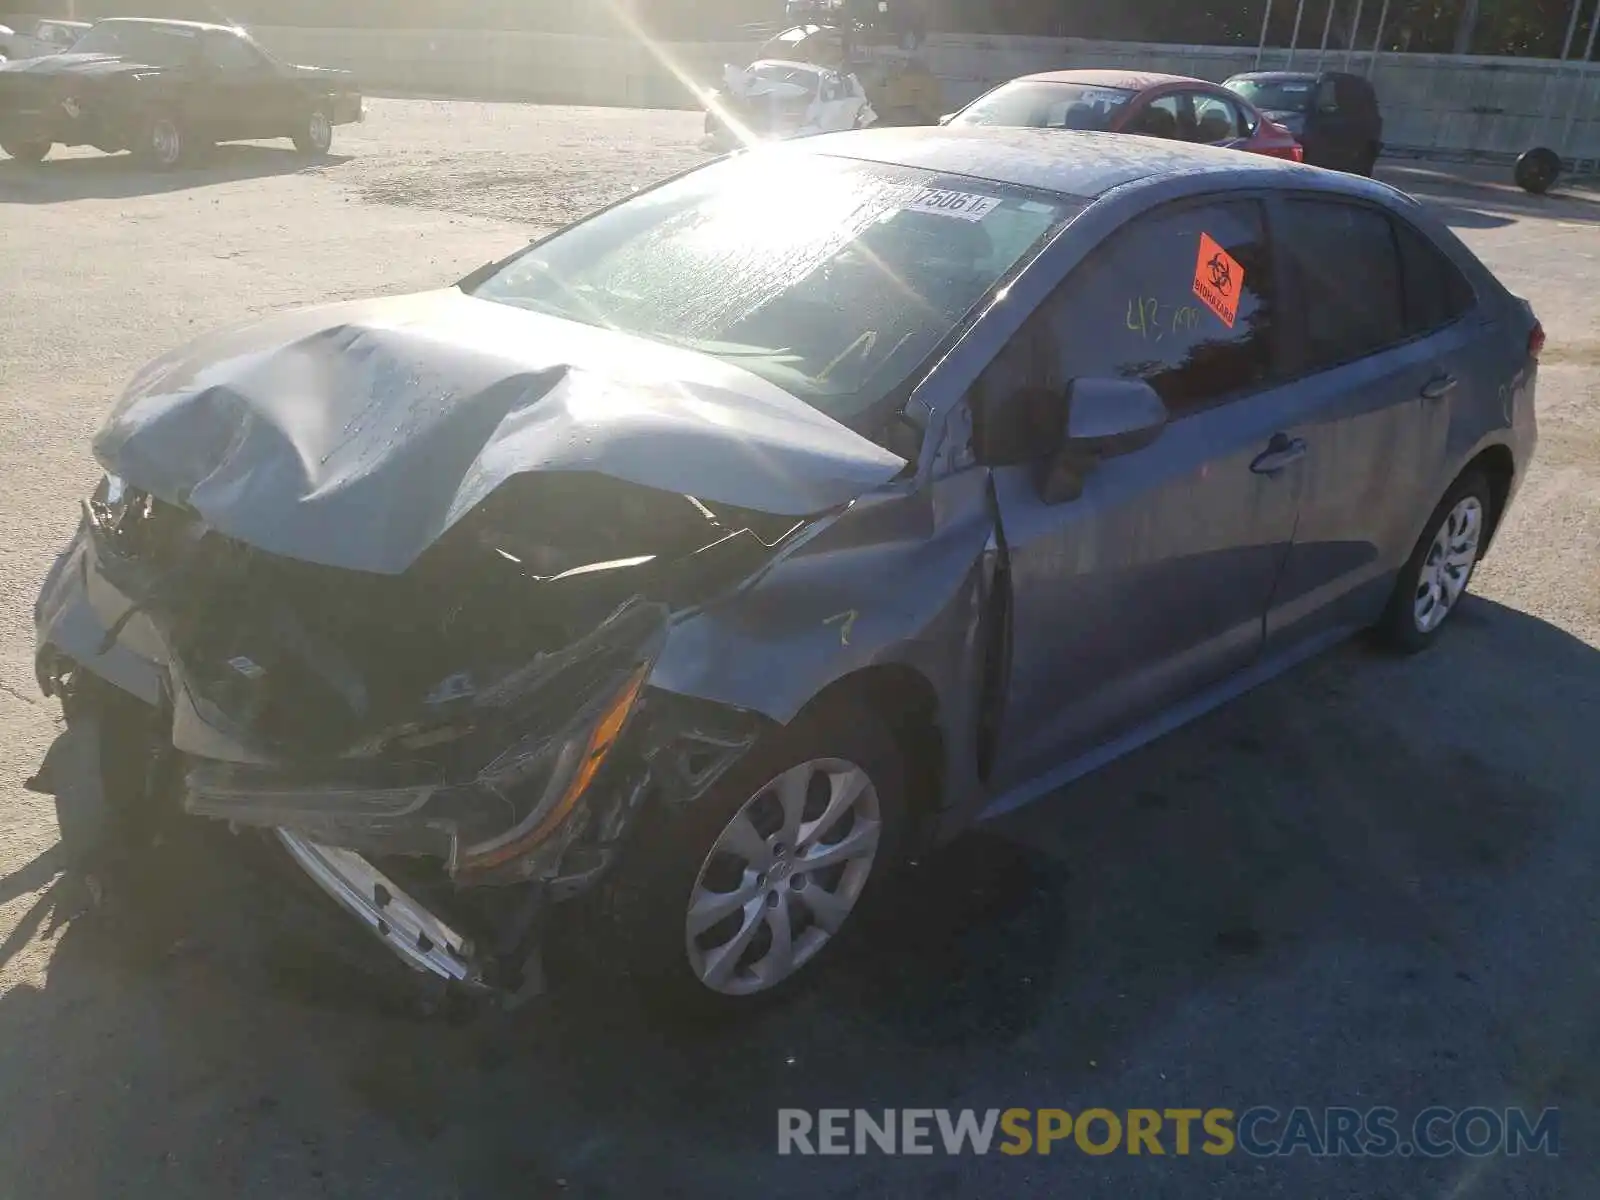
704, 560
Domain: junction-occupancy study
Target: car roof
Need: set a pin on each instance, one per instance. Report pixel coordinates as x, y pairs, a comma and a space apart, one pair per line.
1296, 76
169, 24
1132, 81
1070, 162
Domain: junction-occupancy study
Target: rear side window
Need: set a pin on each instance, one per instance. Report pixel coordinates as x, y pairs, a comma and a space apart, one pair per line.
1131, 311
1346, 269
1436, 292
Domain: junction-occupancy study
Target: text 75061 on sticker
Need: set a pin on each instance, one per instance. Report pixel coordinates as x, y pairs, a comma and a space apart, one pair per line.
967, 206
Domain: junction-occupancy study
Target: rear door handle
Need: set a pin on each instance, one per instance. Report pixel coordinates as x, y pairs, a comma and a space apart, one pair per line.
1438, 387
1280, 452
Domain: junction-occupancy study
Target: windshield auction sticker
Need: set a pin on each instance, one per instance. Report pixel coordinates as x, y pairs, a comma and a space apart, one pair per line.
968, 206
1218, 280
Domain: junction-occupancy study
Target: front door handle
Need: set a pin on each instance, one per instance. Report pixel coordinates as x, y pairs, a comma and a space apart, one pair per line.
1438, 387
1280, 452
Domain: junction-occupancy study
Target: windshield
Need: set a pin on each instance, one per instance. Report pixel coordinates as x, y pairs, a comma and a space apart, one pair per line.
1042, 105
831, 278
1275, 95
154, 45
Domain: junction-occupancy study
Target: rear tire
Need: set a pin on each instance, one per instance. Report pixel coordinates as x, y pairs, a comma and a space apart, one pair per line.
1433, 582
27, 152
315, 135
690, 854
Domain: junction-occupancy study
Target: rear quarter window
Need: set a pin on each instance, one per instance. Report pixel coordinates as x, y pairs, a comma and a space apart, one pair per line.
1436, 292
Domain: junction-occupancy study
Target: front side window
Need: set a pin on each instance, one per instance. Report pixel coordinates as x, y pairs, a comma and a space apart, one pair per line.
1134, 310
1038, 104
1347, 273
1163, 117
833, 279
232, 55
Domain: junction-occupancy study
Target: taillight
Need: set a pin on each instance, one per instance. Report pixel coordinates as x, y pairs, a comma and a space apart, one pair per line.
1292, 153
1535, 340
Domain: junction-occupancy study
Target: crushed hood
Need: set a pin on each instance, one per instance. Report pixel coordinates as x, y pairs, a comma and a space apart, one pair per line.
78, 66
354, 435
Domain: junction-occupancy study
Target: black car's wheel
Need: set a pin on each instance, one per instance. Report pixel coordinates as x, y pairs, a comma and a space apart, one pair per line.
1537, 170
731, 901
28, 152
1433, 581
162, 143
1368, 162
315, 134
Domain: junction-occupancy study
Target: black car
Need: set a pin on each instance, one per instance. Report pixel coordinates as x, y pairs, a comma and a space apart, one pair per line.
163, 89
1334, 114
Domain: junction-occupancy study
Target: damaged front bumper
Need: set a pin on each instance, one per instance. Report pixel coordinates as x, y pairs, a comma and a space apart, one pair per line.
446, 834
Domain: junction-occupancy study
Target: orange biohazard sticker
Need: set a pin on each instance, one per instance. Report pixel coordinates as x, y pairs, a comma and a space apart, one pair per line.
1218, 280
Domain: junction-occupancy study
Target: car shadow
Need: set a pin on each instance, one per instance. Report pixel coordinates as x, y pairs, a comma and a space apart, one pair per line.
192, 1024
119, 177
1477, 197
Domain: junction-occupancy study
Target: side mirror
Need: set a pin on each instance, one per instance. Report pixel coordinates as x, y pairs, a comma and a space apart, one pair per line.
1092, 420
1107, 417
1104, 418
947, 118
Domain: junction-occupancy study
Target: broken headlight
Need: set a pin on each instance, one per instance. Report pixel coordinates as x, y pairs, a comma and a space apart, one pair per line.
543, 779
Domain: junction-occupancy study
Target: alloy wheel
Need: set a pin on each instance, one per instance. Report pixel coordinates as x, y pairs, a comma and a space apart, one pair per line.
1448, 566
783, 876
166, 143
319, 132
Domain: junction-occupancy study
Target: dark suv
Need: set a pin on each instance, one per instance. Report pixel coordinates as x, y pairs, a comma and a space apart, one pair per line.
1334, 114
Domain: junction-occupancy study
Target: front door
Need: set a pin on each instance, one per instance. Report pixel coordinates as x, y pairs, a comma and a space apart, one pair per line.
1153, 583
241, 94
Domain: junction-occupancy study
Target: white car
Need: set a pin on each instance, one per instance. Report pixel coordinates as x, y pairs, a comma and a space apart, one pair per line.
34, 37
776, 99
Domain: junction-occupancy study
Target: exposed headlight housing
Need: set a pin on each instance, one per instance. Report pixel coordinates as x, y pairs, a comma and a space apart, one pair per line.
561, 770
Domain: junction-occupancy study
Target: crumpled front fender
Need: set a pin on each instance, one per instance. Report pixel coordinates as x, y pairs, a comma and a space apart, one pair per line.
902, 578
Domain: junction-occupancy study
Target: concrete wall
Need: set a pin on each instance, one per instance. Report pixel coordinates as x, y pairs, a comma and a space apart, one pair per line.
1433, 104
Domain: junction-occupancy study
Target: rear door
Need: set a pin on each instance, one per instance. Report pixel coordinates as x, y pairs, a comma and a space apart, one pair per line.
1152, 584
1377, 389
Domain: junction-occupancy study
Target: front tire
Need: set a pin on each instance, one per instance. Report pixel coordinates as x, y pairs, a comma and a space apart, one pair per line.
731, 903
162, 143
27, 152
1435, 578
315, 135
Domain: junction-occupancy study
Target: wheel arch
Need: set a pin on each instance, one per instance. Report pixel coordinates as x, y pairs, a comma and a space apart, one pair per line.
1499, 467
908, 703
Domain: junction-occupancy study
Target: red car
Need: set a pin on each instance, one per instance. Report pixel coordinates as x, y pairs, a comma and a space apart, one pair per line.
1164, 106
